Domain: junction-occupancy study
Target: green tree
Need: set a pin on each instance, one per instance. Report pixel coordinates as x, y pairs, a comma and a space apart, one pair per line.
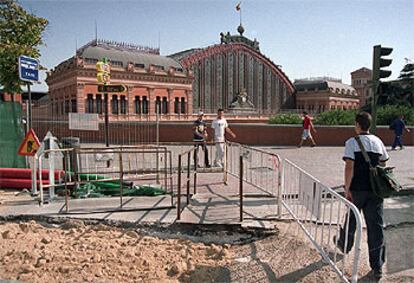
20, 34
407, 82
407, 73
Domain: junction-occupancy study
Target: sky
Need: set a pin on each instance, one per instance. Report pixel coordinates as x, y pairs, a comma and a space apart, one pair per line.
308, 38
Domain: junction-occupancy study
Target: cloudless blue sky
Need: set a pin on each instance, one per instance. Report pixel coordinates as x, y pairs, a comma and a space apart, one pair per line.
307, 37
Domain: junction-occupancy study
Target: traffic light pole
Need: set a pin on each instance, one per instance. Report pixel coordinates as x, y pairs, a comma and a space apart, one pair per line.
29, 107
374, 101
106, 120
108, 162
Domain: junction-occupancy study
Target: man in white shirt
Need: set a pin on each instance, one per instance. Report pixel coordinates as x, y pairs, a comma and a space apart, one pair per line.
358, 190
220, 127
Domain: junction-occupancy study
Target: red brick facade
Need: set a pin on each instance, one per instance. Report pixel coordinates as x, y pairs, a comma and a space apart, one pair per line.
360, 79
73, 85
251, 134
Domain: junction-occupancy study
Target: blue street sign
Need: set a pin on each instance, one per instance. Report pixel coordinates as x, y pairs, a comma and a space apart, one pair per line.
28, 69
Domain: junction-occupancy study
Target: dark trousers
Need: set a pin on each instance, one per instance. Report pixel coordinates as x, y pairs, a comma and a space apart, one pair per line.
397, 141
205, 149
372, 208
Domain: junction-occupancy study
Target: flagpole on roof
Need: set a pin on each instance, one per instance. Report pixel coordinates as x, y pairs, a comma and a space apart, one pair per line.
240, 15
96, 31
238, 8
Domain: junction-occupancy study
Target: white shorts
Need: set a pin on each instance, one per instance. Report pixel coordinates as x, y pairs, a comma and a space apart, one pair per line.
306, 134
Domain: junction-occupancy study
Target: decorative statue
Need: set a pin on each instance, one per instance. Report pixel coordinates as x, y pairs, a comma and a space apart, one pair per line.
241, 101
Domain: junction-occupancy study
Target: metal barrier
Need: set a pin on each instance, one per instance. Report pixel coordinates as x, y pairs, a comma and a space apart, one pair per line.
184, 164
319, 212
130, 166
257, 168
261, 170
317, 209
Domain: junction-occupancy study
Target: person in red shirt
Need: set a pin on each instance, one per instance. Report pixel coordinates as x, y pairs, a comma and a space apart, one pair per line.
307, 127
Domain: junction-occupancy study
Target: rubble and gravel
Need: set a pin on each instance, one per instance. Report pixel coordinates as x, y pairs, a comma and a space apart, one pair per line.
75, 252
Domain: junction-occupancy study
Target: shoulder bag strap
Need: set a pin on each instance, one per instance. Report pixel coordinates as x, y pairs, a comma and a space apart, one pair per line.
364, 152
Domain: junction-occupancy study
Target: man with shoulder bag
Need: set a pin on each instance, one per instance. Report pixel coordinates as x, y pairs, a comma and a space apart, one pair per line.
365, 156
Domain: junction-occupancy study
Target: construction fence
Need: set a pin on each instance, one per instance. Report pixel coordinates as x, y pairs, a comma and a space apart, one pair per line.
320, 212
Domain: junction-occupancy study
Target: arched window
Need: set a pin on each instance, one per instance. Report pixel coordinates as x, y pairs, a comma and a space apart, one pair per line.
183, 105
115, 105
158, 105
164, 105
89, 103
123, 105
144, 105
137, 105
99, 104
177, 105
73, 106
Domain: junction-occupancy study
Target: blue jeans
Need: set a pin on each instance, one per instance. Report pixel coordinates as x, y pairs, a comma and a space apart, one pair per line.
372, 208
397, 141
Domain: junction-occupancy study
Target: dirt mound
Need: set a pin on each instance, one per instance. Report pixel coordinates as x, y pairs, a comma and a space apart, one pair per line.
78, 253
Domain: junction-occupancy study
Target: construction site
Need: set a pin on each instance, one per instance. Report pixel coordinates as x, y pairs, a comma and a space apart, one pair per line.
158, 215
137, 209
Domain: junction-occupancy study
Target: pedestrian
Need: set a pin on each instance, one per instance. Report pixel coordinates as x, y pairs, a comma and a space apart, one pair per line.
307, 127
200, 139
220, 127
358, 190
398, 126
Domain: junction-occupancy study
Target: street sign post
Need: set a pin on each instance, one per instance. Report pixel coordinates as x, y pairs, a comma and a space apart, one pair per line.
103, 75
29, 72
112, 88
28, 69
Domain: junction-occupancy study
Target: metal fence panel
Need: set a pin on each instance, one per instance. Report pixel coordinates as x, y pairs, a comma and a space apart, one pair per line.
319, 212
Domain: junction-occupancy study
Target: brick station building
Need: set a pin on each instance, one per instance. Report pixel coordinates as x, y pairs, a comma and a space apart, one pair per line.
324, 94
224, 71
233, 75
360, 81
152, 81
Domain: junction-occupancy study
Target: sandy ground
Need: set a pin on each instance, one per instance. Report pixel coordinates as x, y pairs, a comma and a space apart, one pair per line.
74, 252
77, 253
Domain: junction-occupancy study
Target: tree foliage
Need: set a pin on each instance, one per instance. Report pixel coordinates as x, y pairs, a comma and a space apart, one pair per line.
386, 114
20, 34
285, 119
401, 91
407, 73
336, 117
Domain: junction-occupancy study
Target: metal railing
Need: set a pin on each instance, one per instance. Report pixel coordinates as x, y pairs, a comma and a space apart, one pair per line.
319, 212
184, 166
255, 167
129, 166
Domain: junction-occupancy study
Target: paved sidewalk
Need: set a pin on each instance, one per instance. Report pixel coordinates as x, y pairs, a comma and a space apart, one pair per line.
326, 164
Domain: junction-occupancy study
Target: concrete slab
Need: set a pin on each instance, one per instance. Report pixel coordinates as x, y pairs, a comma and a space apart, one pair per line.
399, 210
136, 209
400, 255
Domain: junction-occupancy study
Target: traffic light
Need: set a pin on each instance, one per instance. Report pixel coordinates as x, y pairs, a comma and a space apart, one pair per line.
377, 74
379, 62
103, 71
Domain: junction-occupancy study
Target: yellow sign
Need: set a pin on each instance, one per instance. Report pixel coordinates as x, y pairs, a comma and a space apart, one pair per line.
30, 144
103, 72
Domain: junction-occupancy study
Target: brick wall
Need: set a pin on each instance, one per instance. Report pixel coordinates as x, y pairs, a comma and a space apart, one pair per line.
263, 134
252, 134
